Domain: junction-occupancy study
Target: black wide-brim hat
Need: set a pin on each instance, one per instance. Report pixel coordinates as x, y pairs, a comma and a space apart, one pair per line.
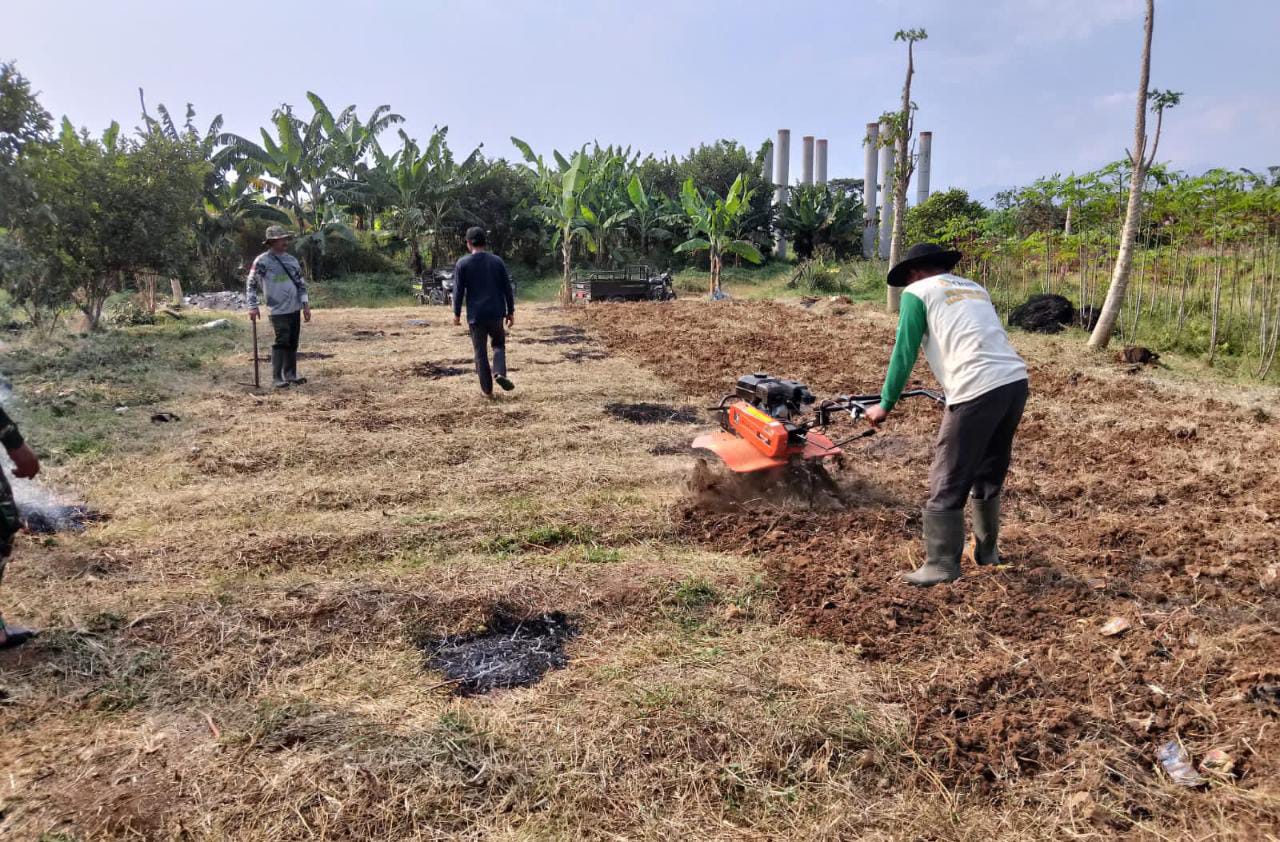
922, 254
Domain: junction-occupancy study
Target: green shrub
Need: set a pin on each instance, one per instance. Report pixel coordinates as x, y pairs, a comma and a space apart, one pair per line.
127, 310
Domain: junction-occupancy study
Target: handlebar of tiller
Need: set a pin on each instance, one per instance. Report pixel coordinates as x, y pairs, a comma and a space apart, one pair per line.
857, 405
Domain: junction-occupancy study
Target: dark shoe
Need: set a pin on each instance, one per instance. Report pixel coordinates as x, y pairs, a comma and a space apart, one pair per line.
16, 636
943, 544
505, 382
986, 529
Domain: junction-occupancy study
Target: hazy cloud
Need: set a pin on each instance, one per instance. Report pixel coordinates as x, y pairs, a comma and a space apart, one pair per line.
1047, 21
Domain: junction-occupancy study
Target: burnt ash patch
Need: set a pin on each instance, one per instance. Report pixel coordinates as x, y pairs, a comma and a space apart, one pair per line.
510, 652
47, 520
434, 371
652, 413
314, 355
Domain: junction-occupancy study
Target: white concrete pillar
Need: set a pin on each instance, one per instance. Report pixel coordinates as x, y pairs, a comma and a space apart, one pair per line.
807, 171
782, 175
821, 166
887, 160
923, 164
870, 181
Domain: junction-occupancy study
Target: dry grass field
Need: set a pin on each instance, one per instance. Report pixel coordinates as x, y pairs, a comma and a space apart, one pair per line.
238, 652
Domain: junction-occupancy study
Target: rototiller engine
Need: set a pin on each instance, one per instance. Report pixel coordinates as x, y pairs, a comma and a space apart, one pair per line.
770, 422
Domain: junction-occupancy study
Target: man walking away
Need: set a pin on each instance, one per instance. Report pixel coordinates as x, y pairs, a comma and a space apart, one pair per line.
482, 280
985, 382
280, 276
25, 465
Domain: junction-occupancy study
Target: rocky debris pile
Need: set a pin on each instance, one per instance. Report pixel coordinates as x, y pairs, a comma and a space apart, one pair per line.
225, 300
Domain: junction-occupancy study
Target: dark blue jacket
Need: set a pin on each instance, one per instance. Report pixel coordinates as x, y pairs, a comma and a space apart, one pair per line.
482, 280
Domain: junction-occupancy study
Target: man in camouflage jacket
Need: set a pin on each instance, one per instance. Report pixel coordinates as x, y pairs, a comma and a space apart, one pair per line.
26, 465
279, 275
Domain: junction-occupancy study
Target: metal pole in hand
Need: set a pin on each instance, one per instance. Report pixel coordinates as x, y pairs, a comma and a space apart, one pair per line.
254, 322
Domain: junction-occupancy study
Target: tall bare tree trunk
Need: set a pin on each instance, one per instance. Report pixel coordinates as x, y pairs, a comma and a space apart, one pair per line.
901, 178
1124, 260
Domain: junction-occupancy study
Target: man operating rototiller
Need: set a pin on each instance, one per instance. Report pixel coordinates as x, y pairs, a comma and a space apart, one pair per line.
985, 382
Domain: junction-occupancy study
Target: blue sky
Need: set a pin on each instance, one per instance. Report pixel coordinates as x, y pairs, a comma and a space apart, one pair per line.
1012, 89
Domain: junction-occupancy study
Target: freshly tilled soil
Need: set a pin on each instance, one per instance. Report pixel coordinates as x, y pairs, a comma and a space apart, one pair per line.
1118, 504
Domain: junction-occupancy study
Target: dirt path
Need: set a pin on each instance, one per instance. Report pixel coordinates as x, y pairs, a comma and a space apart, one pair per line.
1127, 499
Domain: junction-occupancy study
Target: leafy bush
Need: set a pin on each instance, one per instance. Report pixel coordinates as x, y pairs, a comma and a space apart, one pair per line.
945, 218
127, 310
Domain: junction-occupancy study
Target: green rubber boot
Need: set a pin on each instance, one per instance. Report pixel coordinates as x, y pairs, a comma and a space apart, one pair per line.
943, 544
291, 369
277, 369
986, 529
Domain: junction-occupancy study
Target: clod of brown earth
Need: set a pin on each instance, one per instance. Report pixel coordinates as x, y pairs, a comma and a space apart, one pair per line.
798, 485
1109, 510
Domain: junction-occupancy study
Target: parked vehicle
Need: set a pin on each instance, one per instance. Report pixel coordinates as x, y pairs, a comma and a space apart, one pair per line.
632, 283
435, 288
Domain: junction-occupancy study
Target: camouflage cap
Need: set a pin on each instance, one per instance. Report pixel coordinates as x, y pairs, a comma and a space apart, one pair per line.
277, 232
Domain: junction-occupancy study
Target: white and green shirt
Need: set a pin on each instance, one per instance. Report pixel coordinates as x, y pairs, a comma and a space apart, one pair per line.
967, 348
281, 281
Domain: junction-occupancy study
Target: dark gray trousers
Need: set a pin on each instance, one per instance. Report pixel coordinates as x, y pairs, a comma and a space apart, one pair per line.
482, 334
288, 330
974, 446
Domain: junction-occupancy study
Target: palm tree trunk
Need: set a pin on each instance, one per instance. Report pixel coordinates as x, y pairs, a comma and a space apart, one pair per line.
901, 177
1133, 212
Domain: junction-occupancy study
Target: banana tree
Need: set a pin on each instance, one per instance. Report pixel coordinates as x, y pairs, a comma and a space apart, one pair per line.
353, 153
649, 215
605, 206
444, 178
817, 215
298, 163
561, 189
227, 208
714, 218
